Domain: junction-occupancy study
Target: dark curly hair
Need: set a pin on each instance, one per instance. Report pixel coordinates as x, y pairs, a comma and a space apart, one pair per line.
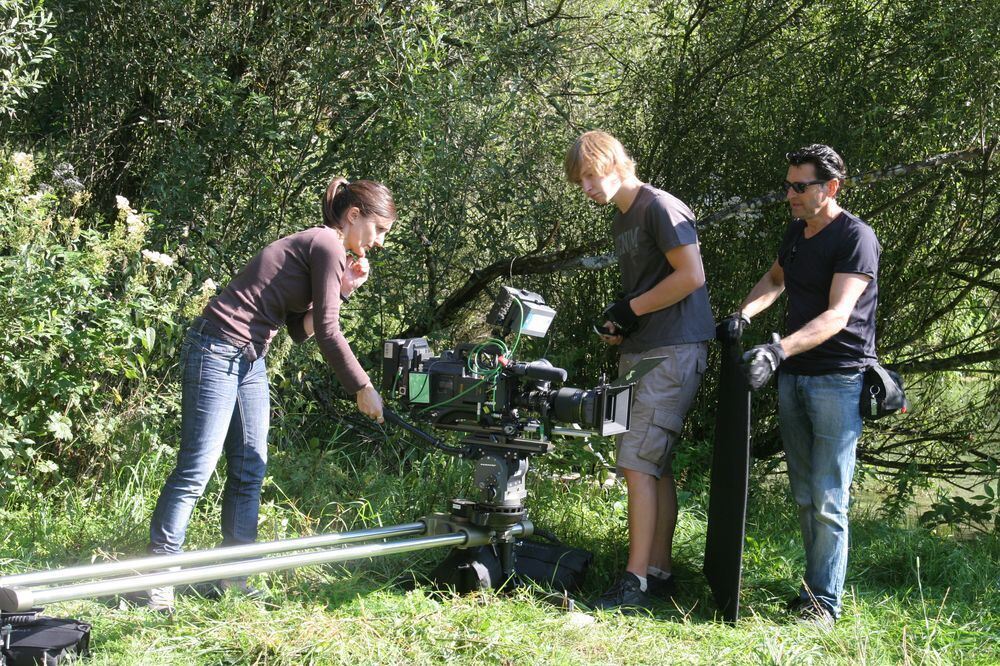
829, 165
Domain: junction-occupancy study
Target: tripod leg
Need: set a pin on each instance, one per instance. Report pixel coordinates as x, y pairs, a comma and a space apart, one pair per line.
506, 553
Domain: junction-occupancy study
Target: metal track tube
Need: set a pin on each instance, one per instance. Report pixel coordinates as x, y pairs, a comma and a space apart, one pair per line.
22, 599
110, 569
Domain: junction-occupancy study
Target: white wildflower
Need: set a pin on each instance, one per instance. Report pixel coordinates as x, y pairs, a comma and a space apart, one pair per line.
65, 176
134, 223
24, 163
209, 286
121, 203
63, 170
157, 258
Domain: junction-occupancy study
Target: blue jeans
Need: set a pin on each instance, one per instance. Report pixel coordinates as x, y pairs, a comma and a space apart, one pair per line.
225, 406
820, 426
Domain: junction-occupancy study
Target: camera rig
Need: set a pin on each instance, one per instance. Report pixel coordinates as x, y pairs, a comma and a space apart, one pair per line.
508, 411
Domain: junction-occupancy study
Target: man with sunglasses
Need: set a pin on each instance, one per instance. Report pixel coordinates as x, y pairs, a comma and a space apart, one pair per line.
828, 265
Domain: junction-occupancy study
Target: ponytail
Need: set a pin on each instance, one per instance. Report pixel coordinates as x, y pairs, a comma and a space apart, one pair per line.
368, 196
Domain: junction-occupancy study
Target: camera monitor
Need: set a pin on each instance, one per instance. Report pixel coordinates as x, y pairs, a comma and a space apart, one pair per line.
521, 311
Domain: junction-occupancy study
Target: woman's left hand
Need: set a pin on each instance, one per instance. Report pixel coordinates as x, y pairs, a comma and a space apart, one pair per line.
356, 274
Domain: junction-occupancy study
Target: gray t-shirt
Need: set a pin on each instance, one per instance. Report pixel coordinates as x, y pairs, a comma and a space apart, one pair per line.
654, 224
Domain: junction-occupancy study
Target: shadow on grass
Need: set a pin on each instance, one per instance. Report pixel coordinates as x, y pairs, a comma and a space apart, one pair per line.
693, 603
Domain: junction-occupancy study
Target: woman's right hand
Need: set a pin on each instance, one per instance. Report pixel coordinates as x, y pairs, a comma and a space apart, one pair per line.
370, 403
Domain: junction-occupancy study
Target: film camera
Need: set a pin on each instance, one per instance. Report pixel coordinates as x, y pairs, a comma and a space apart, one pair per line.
508, 409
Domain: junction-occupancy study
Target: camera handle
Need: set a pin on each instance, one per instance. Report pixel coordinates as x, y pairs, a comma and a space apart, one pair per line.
395, 419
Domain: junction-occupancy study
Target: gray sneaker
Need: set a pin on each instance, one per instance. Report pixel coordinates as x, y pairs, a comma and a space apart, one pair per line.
160, 599
625, 595
217, 589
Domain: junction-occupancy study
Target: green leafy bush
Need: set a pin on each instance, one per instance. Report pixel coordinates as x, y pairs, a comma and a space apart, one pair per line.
25, 42
90, 326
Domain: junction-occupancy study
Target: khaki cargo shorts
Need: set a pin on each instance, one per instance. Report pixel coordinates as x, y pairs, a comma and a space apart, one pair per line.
660, 402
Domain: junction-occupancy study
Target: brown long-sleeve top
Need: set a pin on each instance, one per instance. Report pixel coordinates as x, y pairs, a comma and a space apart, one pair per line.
287, 279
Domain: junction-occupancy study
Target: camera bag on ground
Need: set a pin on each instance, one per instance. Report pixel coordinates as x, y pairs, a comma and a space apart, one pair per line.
551, 564
882, 393
547, 563
28, 638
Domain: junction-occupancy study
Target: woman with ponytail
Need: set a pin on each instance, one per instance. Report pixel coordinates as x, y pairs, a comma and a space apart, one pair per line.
299, 282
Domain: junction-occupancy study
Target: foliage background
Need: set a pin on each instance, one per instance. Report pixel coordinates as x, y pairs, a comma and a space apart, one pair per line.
223, 121
149, 148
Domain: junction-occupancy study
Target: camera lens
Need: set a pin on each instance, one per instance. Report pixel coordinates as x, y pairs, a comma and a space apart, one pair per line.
573, 405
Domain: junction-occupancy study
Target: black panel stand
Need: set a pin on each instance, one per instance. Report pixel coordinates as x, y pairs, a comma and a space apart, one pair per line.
727, 504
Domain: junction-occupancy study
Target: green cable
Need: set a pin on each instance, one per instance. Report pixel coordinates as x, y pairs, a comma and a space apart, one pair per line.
473, 361
490, 374
517, 338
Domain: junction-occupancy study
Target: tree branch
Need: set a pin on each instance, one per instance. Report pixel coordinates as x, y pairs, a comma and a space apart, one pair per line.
548, 19
937, 469
481, 279
976, 280
957, 362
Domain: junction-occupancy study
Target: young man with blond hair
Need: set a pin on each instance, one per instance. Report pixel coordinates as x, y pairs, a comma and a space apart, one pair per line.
664, 311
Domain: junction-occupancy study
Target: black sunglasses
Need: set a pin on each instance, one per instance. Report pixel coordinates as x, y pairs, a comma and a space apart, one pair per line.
800, 187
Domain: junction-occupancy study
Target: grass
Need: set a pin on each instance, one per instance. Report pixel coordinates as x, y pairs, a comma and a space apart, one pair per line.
914, 597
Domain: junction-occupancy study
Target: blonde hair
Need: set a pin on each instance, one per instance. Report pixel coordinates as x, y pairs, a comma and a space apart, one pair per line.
598, 151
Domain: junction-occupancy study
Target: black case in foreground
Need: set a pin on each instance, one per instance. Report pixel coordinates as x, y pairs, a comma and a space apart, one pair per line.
28, 638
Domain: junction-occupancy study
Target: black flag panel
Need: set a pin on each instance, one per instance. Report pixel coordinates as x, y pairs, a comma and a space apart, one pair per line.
727, 503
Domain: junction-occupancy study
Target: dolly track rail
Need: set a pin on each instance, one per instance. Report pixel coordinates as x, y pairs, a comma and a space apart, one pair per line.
19, 599
111, 569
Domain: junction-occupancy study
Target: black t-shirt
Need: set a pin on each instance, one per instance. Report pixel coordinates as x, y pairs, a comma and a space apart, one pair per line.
654, 224
846, 245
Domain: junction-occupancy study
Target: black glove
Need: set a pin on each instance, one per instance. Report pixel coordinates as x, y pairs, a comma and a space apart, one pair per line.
731, 328
760, 362
620, 314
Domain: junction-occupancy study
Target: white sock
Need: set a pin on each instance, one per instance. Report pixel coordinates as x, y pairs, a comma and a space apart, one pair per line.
642, 583
657, 573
